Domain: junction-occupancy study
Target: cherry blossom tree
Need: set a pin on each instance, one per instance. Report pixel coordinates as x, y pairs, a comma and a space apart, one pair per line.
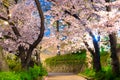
22, 27
89, 16
113, 39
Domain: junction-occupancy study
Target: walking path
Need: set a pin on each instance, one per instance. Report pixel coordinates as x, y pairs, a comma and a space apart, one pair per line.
64, 76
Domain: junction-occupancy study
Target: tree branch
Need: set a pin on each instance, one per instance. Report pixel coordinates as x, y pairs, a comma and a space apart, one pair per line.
42, 24
40, 36
89, 49
9, 37
15, 30
3, 18
75, 16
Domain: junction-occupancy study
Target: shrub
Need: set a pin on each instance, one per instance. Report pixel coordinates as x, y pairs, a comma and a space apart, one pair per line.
9, 76
13, 62
31, 74
89, 72
37, 71
104, 74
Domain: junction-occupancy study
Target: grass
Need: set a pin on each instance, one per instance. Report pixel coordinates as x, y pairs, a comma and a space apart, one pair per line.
66, 63
105, 73
16, 73
31, 74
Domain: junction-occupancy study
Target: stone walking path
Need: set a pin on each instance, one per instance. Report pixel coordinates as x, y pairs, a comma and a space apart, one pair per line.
64, 76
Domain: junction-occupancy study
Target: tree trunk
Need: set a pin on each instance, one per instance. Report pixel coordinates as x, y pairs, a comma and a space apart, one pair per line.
115, 60
95, 53
26, 63
3, 63
58, 36
113, 43
36, 42
21, 54
38, 58
96, 56
57, 22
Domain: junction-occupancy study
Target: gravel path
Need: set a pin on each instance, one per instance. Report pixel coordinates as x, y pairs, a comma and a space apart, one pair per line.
63, 76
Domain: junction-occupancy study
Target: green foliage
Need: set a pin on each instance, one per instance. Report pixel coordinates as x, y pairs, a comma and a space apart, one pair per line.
106, 71
67, 63
9, 76
106, 74
89, 72
66, 59
105, 58
37, 71
13, 62
31, 74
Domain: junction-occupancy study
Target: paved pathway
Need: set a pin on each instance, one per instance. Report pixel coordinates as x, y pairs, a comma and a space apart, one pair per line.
64, 76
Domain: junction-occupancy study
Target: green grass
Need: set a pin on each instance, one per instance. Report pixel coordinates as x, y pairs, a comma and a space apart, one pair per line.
31, 74
105, 73
67, 58
68, 62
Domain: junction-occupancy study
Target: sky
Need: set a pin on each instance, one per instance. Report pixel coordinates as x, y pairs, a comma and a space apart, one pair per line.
45, 7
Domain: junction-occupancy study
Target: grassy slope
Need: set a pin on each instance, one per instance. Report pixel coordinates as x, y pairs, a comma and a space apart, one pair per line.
66, 63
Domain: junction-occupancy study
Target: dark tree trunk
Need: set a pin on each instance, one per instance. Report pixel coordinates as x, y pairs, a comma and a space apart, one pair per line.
115, 60
95, 53
96, 56
35, 43
113, 43
58, 46
38, 58
21, 54
57, 25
